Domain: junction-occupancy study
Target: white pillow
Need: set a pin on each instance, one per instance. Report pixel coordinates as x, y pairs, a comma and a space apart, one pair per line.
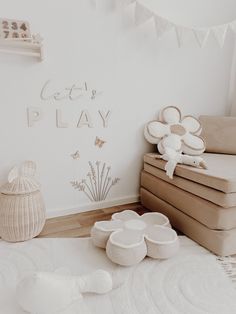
52, 293
176, 132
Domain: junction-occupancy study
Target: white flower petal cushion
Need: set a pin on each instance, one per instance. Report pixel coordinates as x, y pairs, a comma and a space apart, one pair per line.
156, 219
192, 144
102, 230
151, 139
126, 247
128, 241
186, 132
125, 215
192, 124
158, 129
162, 242
170, 115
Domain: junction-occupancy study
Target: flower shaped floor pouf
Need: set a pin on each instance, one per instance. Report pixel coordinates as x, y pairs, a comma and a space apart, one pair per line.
128, 237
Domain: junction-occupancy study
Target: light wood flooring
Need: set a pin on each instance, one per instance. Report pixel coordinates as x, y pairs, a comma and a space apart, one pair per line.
79, 225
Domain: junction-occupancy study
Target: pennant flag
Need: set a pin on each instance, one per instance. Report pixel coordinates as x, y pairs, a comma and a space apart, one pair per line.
220, 33
179, 35
142, 14
233, 26
162, 26
201, 36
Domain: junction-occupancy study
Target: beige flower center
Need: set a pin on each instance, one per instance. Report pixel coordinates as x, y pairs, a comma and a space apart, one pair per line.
135, 224
177, 129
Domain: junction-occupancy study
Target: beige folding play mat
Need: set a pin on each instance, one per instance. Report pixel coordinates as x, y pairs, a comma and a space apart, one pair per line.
201, 203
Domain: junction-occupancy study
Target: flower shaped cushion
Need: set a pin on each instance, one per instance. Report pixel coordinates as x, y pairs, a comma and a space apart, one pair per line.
128, 237
175, 132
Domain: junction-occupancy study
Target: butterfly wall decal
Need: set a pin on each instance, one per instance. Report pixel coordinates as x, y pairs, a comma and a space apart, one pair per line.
76, 155
99, 142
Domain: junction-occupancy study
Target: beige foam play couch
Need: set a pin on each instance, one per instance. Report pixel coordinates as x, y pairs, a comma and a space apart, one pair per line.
200, 203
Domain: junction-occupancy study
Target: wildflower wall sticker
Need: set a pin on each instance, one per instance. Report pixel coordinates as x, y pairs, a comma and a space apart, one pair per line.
98, 183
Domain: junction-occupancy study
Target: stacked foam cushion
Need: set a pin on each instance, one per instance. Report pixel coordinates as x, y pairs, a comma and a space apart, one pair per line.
200, 203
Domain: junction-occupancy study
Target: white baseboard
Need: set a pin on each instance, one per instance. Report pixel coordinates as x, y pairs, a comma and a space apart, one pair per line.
92, 206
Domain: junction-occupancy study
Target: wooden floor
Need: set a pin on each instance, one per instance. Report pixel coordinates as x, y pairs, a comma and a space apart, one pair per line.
79, 225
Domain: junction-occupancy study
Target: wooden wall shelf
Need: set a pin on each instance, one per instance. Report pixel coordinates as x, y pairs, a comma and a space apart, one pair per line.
31, 47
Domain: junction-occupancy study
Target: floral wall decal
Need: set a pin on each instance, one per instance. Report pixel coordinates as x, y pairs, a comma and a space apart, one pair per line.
98, 183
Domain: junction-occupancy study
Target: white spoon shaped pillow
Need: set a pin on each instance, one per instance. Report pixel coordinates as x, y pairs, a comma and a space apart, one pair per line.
52, 293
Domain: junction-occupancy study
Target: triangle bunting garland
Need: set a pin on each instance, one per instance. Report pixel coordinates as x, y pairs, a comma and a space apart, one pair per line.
233, 26
220, 33
201, 36
179, 30
162, 26
142, 14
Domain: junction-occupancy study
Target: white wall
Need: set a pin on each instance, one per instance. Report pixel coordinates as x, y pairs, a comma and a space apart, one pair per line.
136, 73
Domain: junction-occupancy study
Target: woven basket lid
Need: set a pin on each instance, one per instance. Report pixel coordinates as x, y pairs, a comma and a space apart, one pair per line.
21, 181
20, 185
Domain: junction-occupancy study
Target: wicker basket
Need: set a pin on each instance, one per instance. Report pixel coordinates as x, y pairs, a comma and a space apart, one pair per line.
22, 209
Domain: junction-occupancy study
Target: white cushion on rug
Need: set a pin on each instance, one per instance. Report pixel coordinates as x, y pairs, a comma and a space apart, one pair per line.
129, 237
50, 292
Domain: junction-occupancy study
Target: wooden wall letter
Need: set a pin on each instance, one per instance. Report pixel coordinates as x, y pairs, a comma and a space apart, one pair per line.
85, 119
34, 115
42, 93
60, 123
105, 117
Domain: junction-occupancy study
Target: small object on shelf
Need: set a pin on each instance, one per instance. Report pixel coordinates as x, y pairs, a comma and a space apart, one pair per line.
128, 237
15, 38
22, 209
14, 29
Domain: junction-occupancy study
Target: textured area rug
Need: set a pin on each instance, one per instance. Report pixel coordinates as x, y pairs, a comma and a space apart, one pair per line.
192, 282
